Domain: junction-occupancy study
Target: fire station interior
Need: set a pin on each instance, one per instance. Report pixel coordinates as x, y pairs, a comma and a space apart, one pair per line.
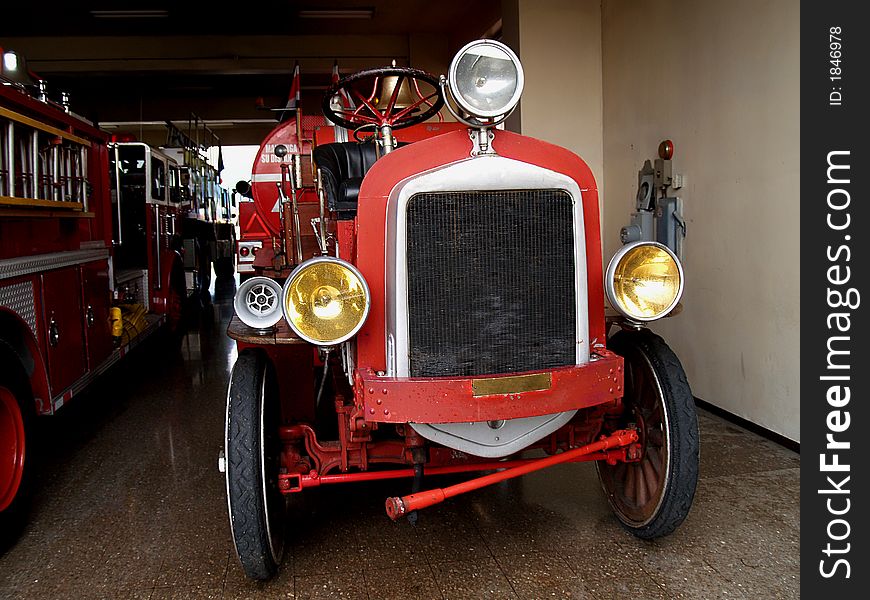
127, 499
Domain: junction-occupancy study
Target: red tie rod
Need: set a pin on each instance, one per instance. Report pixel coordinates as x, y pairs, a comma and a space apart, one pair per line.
398, 506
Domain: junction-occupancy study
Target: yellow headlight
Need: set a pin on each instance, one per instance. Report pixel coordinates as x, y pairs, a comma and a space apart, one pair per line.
326, 301
644, 281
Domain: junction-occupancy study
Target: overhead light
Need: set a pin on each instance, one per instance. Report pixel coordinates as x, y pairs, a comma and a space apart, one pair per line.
10, 61
343, 13
130, 14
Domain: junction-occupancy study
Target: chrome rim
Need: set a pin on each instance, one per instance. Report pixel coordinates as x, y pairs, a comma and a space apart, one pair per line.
12, 447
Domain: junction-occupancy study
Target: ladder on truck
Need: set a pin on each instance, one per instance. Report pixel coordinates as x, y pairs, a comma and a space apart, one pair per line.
41, 165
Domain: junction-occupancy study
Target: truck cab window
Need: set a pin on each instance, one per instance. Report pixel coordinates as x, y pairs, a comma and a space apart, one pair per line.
158, 179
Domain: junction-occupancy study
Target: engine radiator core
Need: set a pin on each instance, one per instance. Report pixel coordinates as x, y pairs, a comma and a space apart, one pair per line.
490, 282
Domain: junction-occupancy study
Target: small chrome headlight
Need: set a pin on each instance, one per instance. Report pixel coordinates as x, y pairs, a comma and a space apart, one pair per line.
326, 301
258, 302
486, 79
644, 281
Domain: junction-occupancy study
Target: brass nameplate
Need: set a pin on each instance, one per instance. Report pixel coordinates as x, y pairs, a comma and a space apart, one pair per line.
511, 385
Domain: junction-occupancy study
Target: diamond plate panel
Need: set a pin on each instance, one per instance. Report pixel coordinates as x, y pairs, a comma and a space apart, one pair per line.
20, 299
26, 265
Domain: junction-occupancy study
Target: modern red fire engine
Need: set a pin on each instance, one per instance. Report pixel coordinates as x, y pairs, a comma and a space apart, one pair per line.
441, 309
86, 271
209, 225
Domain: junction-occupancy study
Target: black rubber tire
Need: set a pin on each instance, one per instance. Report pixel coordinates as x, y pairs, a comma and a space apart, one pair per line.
204, 266
14, 517
675, 499
257, 511
224, 267
177, 295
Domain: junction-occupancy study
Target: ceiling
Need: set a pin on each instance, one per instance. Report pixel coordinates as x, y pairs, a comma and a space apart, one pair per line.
290, 17
155, 61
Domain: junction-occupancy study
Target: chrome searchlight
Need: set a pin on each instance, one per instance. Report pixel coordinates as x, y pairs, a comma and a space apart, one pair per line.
486, 79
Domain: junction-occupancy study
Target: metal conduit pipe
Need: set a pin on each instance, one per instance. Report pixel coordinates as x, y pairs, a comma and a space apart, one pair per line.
34, 163
10, 159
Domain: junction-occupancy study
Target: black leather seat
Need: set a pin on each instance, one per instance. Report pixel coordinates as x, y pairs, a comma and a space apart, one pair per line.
343, 166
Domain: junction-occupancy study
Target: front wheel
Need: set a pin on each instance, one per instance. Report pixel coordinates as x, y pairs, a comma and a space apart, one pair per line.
16, 452
204, 267
653, 496
224, 267
256, 506
176, 295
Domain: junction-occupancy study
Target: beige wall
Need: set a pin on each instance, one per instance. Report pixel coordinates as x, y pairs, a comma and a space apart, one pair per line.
559, 43
721, 79
429, 52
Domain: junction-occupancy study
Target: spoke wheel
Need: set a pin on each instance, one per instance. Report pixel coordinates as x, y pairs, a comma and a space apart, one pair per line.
362, 89
256, 506
651, 497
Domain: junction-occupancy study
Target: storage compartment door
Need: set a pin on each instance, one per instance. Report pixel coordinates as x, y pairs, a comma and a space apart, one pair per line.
96, 301
62, 327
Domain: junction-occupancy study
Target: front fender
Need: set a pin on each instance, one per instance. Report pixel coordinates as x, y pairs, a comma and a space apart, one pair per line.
172, 268
17, 336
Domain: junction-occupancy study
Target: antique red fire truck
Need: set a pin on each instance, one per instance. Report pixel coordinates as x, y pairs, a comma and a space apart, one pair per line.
443, 311
72, 257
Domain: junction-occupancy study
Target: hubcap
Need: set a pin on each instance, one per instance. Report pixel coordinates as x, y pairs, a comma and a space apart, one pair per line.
636, 489
11, 447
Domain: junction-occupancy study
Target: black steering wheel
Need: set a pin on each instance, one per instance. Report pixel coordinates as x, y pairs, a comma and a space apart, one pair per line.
371, 110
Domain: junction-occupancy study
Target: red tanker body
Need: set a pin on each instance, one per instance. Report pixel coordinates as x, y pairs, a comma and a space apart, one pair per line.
440, 308
260, 226
78, 287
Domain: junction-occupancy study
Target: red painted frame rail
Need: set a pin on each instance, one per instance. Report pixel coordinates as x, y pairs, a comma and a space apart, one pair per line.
398, 506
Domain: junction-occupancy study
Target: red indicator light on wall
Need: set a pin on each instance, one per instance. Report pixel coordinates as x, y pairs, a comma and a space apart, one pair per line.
666, 150
243, 251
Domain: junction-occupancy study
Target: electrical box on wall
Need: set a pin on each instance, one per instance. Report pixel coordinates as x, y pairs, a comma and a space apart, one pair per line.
658, 215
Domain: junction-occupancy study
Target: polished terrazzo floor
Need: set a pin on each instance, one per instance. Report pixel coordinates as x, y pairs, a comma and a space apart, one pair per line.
130, 504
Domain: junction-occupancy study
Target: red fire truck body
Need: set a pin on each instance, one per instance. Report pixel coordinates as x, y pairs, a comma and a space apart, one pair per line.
148, 211
64, 264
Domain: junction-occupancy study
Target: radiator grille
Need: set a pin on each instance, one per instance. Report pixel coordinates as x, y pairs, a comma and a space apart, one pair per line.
490, 282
